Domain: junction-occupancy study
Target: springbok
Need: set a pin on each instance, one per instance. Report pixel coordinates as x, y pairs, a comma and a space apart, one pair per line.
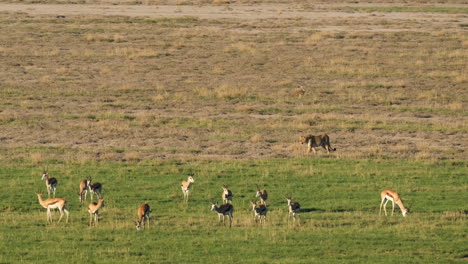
51, 183
259, 210
389, 195
186, 186
143, 213
263, 195
84, 186
95, 188
53, 203
223, 210
227, 194
93, 210
294, 208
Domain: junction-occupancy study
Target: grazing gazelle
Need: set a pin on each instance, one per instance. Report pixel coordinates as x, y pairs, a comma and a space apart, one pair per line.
51, 183
389, 195
186, 187
143, 213
84, 185
294, 208
227, 194
225, 209
300, 92
259, 210
93, 209
53, 203
95, 188
263, 195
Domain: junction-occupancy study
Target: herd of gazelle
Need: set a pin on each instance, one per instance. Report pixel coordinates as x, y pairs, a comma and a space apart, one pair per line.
226, 209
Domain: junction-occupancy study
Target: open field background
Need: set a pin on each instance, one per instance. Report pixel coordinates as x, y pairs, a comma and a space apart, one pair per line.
139, 94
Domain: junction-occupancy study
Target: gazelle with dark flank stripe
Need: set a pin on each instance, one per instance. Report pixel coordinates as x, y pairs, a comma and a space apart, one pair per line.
263, 195
93, 210
84, 186
394, 197
294, 208
185, 186
260, 211
95, 188
227, 195
53, 203
143, 216
51, 183
226, 209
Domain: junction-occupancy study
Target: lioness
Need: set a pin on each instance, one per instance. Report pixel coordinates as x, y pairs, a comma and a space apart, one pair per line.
317, 141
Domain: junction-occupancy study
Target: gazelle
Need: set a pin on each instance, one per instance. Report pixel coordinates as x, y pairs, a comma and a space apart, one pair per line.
259, 210
300, 92
96, 188
186, 185
223, 210
263, 195
294, 208
51, 183
84, 186
227, 194
389, 195
93, 210
143, 213
53, 203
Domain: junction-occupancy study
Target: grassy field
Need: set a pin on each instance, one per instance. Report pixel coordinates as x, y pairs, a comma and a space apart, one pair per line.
339, 197
137, 102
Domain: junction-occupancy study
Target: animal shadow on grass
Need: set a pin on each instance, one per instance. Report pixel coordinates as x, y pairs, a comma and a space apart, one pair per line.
310, 210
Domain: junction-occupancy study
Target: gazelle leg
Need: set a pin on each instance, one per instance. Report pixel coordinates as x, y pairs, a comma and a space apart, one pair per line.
393, 207
61, 215
68, 213
385, 207
380, 209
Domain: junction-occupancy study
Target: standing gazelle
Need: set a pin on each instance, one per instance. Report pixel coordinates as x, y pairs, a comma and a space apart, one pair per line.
51, 183
95, 188
263, 195
84, 185
294, 208
93, 210
389, 195
227, 194
259, 210
223, 210
53, 203
143, 213
185, 186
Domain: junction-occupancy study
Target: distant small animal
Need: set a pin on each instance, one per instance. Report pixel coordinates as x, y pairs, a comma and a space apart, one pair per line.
51, 183
317, 141
227, 194
299, 92
226, 209
143, 216
263, 195
93, 210
294, 208
259, 211
394, 197
185, 186
53, 203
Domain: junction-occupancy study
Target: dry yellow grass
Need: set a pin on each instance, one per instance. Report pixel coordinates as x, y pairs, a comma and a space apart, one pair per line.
221, 88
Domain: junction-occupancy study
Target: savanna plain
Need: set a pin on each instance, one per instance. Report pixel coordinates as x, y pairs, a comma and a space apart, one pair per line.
139, 94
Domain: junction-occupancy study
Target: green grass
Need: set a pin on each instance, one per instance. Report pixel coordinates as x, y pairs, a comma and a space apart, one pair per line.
340, 224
